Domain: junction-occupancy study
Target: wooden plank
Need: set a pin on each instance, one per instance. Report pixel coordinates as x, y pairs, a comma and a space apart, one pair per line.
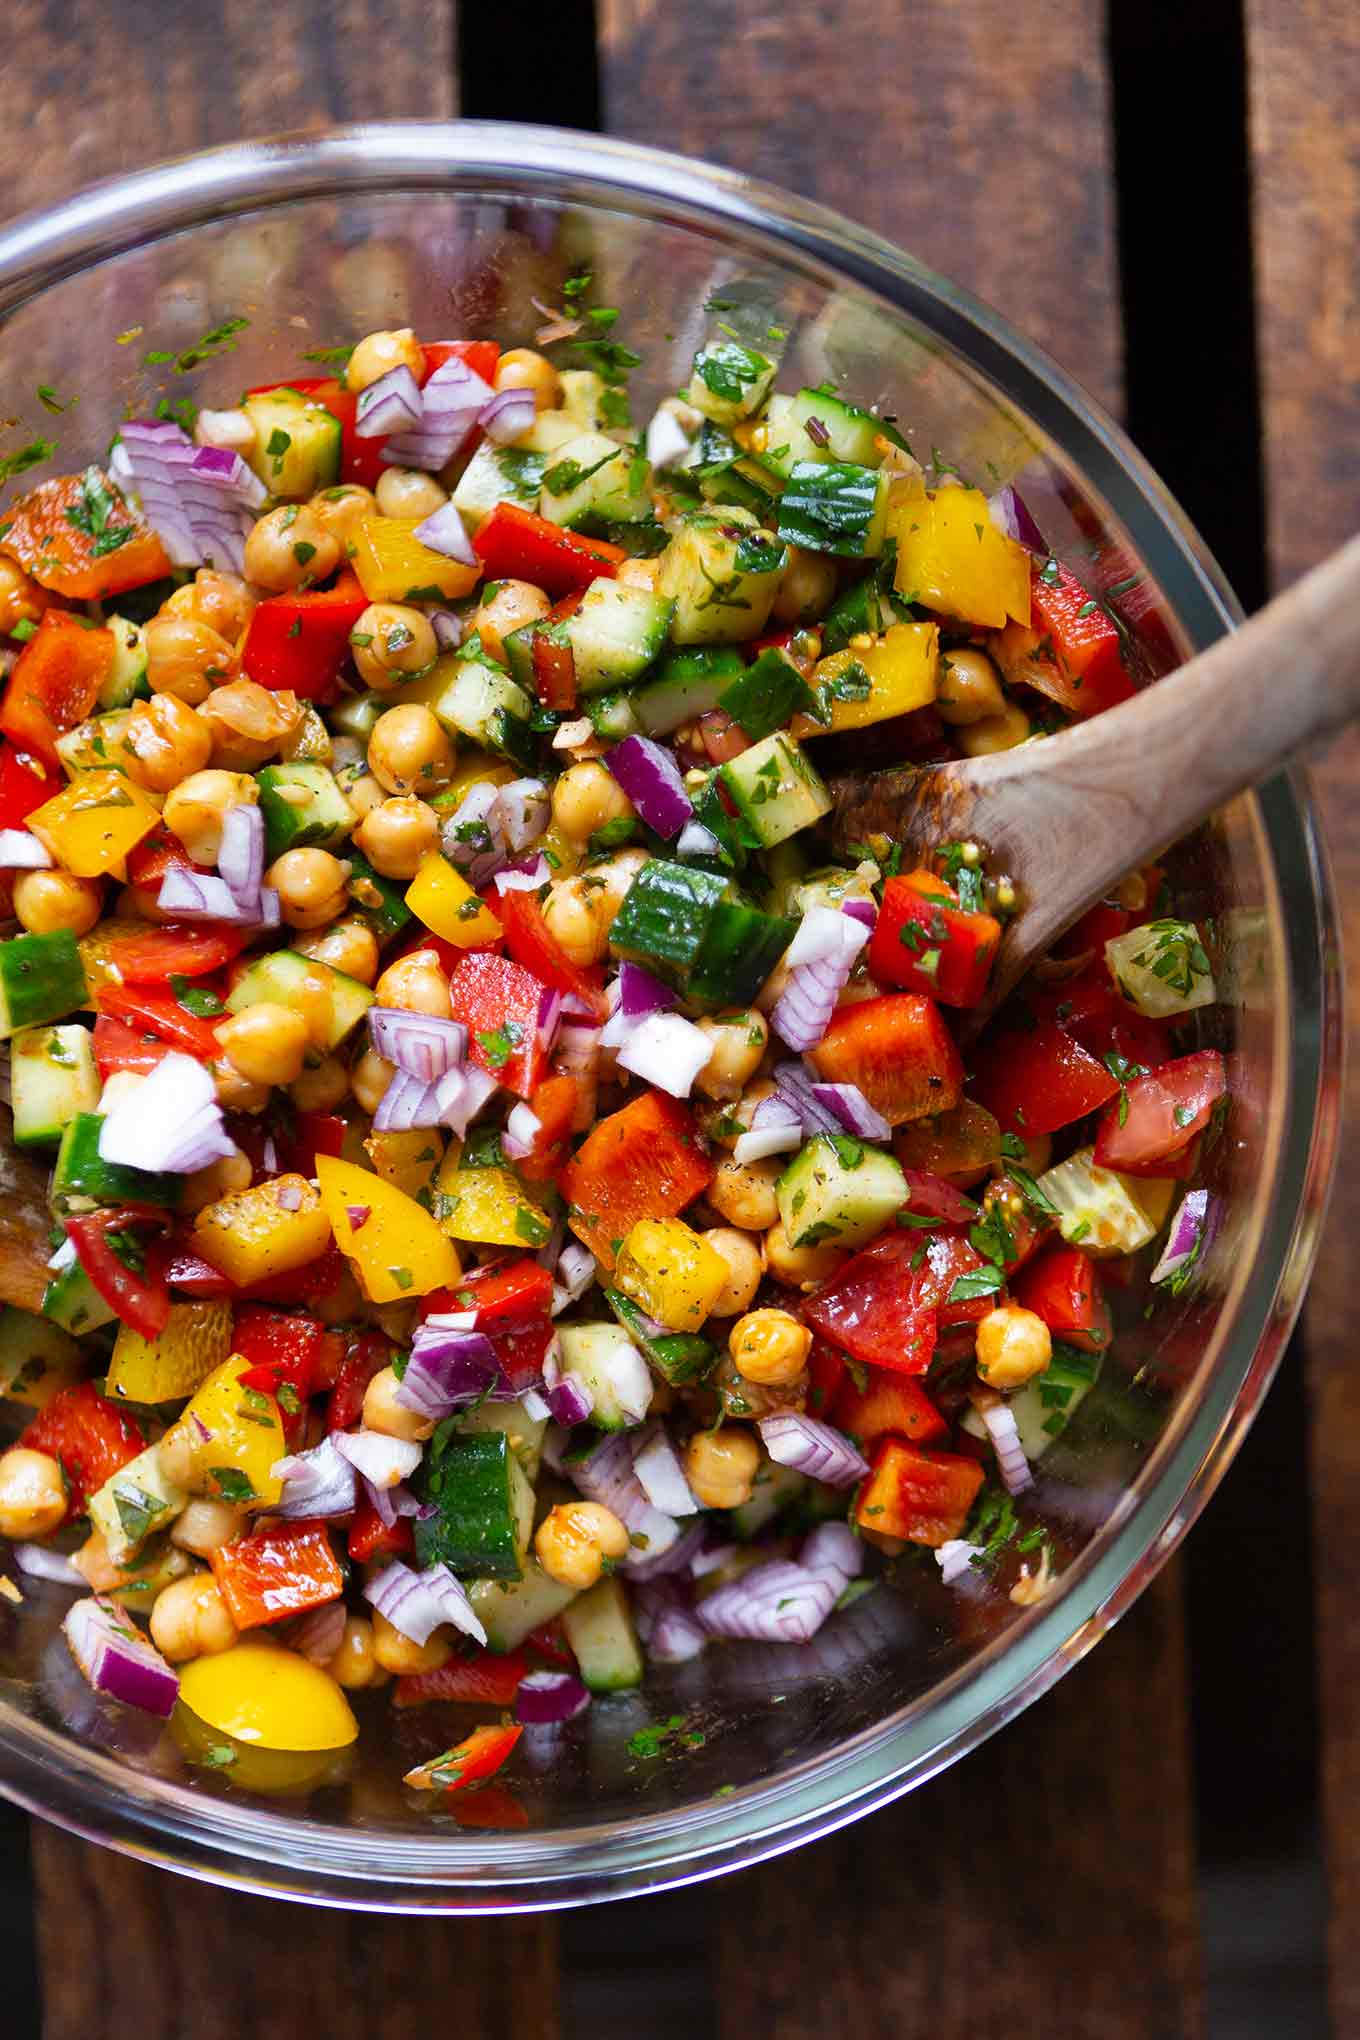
1304, 68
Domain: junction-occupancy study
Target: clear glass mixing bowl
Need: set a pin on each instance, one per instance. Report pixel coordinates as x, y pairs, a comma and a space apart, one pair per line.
455, 230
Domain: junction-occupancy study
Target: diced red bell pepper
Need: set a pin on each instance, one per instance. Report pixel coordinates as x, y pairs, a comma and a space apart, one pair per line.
532, 943
368, 1354
55, 683
312, 1134
486, 1680
473, 1759
515, 544
284, 1347
152, 956
722, 736
900, 1053
554, 660
924, 941
118, 1047
317, 1279
1161, 1115
140, 1300
923, 1497
89, 1435
25, 783
499, 1002
1038, 1079
1063, 1287
489, 1806
161, 1014
554, 1107
931, 1196
277, 1572
520, 1350
370, 1537
887, 1402
826, 1371
500, 1294
549, 1641
481, 356
175, 1261
644, 1161
1071, 650
301, 641
67, 534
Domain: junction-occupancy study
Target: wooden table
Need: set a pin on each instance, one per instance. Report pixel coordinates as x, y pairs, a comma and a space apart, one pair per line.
1140, 187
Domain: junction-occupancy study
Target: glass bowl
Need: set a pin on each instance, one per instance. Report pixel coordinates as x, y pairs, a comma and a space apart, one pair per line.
457, 230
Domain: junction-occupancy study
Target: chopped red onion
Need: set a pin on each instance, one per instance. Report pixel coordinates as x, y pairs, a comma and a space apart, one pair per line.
1011, 516
1192, 1229
860, 910
522, 1129
666, 1050
535, 1406
41, 1563
448, 629
200, 499
240, 859
576, 1270
289, 1197
117, 1659
776, 1127
199, 896
820, 959
391, 404
407, 1103
520, 813
319, 1633
450, 401
1004, 1433
955, 1560
391, 1503
358, 1216
651, 778
853, 1110
795, 1087
578, 1049
527, 874
696, 841
607, 1476
666, 1623
446, 1370
833, 1552
710, 1556
677, 1557
443, 531
549, 1017
547, 1254
570, 1402
155, 453
508, 416
773, 1603
470, 839
420, 1044
319, 1483
20, 850
640, 993
667, 442
381, 1459
417, 1603
550, 1696
460, 1096
660, 1474
172, 1123
813, 1448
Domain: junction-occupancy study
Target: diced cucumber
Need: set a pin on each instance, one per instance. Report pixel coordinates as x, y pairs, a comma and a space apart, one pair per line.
286, 979
302, 806
498, 474
593, 476
615, 634
726, 474
355, 714
835, 507
768, 694
1046, 1405
582, 390
127, 676
41, 978
95, 745
685, 686
381, 901
600, 1630
776, 789
525, 1433
679, 1356
730, 380
1097, 1208
721, 569
480, 701
71, 1299
840, 432
837, 1189
549, 433
1162, 967
604, 1359
35, 1355
741, 947
612, 717
81, 1178
52, 1077
485, 1508
871, 605
775, 1489
665, 913
297, 443
134, 1502
509, 1610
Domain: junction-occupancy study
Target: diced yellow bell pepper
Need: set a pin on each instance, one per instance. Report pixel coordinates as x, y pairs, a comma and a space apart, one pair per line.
267, 1230
671, 1272
489, 1206
397, 1250
244, 1436
475, 768
902, 669
393, 565
195, 1341
408, 1160
442, 899
260, 1694
90, 826
953, 558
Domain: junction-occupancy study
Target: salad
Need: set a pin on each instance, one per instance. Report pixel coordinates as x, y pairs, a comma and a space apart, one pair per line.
520, 1207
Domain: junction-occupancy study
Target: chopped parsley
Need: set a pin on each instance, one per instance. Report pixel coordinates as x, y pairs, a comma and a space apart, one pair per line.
232, 1485
29, 456
196, 999
92, 514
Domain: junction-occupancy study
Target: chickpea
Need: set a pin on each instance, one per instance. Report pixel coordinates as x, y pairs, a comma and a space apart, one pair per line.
21, 598
397, 836
406, 492
507, 606
770, 1347
408, 751
290, 548
204, 1527
222, 601
364, 793
743, 1193
196, 809
310, 742
799, 1267
32, 1493
523, 369
377, 354
354, 1666
165, 741
218, 1179
98, 1570
46, 901
574, 1540
995, 732
586, 798
349, 946
236, 1093
806, 587
739, 1040
250, 724
392, 642
1013, 1345
186, 658
721, 1467
747, 1401
396, 1653
370, 1077
416, 984
745, 1265
382, 1411
321, 1087
580, 911
190, 1619
340, 511
311, 887
970, 688
266, 1042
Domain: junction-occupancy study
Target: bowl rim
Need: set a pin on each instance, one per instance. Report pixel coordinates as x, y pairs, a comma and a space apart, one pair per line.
223, 1843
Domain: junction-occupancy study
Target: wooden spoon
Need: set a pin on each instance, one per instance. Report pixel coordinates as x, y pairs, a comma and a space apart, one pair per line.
1068, 816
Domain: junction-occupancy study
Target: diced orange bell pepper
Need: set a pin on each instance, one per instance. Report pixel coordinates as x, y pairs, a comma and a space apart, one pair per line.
887, 1402
55, 683
900, 1053
282, 1571
923, 1497
644, 1161
67, 533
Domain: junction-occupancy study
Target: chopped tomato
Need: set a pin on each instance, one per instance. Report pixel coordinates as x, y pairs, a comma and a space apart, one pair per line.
515, 544
924, 941
370, 1537
549, 1641
1025, 1227
826, 1371
923, 1497
469, 1761
300, 641
644, 1161
723, 738
480, 356
118, 1047
152, 956
176, 1262
90, 1436
499, 1003
161, 1014
323, 1277
1038, 1079
1063, 1287
876, 1308
55, 683
486, 1681
958, 1146
532, 943
1160, 1115
1090, 1009
554, 1107
1071, 649
887, 1402
501, 1293
932, 1197
67, 533
900, 1053
554, 661
283, 1347
25, 783
521, 1349
277, 1572
140, 1300
368, 1354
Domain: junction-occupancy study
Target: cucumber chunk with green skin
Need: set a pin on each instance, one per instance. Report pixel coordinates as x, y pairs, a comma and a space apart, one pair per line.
665, 913
31, 1349
817, 426
525, 1433
768, 694
303, 808
599, 1626
381, 901
81, 1178
498, 474
838, 1190
612, 717
41, 978
127, 680
776, 789
477, 700
510, 1610
134, 1503
728, 831
615, 634
355, 714
680, 1357
297, 443
686, 685
52, 1078
721, 569
605, 1360
836, 507
1046, 1405
741, 947
71, 1299
870, 605
593, 476
776, 1489
730, 381
484, 1504
725, 473
284, 978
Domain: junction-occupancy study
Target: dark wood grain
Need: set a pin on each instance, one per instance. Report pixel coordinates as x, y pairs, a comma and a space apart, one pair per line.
1305, 87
